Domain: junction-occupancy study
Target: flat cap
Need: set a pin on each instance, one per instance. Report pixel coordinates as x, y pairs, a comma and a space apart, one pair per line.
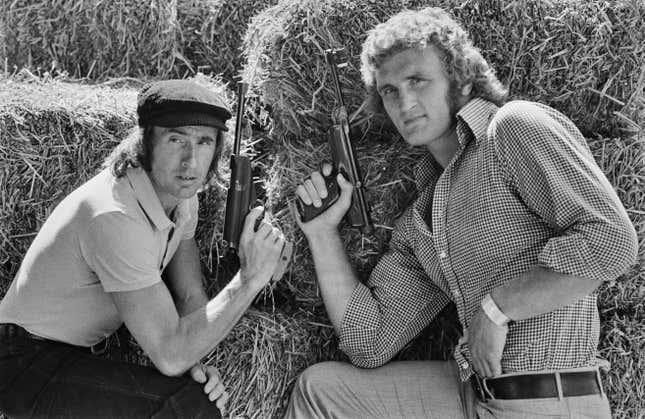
175, 103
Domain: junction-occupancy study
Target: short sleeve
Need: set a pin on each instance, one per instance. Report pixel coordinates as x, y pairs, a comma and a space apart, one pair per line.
121, 252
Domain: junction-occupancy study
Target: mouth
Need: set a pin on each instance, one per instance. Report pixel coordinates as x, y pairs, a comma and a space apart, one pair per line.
187, 178
413, 120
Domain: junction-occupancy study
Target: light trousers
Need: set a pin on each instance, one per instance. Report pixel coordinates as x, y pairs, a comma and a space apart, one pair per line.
418, 389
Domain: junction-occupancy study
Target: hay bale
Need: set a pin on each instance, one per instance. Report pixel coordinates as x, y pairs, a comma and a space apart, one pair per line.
211, 33
53, 137
93, 39
263, 355
99, 40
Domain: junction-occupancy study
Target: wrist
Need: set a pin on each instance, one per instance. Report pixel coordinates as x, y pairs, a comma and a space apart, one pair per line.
493, 312
253, 281
322, 235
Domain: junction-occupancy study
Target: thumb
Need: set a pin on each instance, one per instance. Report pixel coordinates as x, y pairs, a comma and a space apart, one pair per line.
346, 190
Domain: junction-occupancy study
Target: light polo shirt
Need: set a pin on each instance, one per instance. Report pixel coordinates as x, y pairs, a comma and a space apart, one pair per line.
108, 235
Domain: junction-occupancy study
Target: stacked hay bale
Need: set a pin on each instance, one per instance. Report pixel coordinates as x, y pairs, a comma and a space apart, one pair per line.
125, 38
92, 39
583, 58
212, 31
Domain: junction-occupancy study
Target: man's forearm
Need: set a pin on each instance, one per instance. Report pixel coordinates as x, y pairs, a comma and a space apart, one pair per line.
540, 291
336, 279
202, 329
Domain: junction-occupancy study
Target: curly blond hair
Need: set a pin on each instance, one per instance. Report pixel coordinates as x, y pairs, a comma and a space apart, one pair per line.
463, 63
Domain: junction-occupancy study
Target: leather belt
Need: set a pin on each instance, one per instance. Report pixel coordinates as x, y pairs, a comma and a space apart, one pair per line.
10, 330
538, 385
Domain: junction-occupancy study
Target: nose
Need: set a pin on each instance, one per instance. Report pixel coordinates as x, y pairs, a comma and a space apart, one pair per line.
189, 156
407, 100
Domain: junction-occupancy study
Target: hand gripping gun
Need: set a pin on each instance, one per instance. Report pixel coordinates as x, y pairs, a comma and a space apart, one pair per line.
344, 160
241, 196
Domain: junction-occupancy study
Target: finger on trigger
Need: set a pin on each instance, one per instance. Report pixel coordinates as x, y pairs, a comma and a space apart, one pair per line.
252, 217
265, 229
319, 184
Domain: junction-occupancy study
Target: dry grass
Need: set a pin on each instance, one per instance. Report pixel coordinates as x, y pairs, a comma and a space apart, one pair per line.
92, 39
212, 31
98, 40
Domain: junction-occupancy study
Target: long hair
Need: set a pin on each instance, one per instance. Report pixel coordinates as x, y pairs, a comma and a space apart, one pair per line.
410, 29
135, 150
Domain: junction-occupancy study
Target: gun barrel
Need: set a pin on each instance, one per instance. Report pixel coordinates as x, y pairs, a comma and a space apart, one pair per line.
241, 193
331, 56
239, 118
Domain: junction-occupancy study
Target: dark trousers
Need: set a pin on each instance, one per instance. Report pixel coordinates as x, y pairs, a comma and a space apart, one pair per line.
42, 379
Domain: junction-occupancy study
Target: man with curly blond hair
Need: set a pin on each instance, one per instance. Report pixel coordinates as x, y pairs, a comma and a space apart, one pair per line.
514, 222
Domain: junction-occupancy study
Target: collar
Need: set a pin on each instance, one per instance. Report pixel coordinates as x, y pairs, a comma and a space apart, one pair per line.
149, 201
475, 115
472, 122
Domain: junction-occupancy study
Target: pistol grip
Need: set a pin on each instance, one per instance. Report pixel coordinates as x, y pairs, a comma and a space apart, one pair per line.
283, 263
309, 212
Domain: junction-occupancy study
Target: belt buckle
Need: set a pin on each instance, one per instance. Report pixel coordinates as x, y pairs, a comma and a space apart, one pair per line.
482, 390
99, 348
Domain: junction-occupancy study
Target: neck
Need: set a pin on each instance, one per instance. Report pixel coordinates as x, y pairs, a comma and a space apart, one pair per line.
445, 148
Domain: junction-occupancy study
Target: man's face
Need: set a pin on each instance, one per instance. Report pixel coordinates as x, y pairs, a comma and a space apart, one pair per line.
414, 89
181, 157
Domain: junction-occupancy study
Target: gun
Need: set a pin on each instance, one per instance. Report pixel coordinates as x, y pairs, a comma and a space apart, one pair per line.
241, 197
241, 191
343, 157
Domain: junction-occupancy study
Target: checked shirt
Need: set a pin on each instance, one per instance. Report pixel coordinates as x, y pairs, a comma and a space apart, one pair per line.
522, 190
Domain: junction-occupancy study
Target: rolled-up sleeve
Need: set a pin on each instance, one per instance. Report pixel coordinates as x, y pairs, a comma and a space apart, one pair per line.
548, 164
395, 304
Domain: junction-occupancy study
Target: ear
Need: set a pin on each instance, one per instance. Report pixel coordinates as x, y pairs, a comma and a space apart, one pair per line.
467, 89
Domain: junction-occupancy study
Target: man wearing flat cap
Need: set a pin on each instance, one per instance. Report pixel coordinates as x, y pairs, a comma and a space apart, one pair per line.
97, 261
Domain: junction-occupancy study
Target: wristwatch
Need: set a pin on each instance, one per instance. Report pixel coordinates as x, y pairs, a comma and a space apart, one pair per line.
493, 312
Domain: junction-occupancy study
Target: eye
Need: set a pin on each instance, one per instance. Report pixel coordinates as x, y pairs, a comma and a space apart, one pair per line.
387, 91
174, 139
206, 141
416, 81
